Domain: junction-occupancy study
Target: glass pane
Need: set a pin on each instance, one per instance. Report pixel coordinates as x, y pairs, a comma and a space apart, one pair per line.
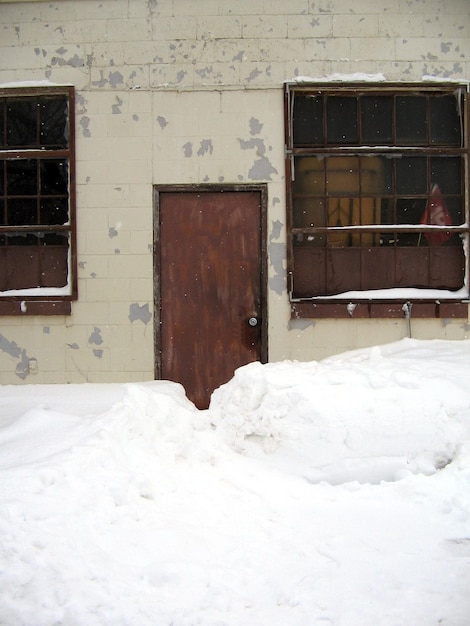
309, 176
54, 211
2, 212
445, 120
22, 177
411, 175
22, 212
410, 210
456, 211
53, 122
387, 165
387, 212
308, 120
411, 119
447, 173
54, 176
2, 178
342, 176
372, 179
22, 122
341, 120
376, 119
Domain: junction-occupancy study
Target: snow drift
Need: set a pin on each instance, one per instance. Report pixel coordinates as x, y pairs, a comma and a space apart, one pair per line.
331, 493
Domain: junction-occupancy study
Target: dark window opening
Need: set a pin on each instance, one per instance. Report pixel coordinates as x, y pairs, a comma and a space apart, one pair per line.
376, 187
37, 200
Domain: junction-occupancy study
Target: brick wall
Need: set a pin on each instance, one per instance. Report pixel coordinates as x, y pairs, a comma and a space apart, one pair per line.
188, 91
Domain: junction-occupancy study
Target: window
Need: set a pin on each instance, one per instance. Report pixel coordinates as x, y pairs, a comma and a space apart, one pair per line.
37, 204
376, 188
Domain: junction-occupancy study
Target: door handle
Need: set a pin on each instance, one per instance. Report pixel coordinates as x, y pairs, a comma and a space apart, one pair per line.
253, 321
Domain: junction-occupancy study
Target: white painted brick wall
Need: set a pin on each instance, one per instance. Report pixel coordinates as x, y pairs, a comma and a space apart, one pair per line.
167, 93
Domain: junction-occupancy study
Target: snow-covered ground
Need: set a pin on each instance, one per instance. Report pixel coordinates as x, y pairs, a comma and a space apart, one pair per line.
332, 493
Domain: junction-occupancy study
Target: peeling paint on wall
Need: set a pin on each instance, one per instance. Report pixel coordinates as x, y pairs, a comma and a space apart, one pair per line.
10, 347
162, 122
262, 168
255, 126
98, 353
112, 232
300, 324
137, 312
188, 149
116, 108
84, 123
205, 147
114, 79
22, 369
277, 254
95, 336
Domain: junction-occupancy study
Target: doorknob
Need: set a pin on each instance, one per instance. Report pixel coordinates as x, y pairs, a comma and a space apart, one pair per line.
253, 321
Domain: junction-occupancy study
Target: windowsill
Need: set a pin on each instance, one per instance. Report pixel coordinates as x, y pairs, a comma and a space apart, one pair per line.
30, 306
337, 309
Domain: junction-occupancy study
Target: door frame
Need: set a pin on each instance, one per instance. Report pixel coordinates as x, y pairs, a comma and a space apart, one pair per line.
262, 189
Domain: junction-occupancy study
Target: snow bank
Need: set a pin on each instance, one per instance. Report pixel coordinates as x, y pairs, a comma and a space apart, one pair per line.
333, 493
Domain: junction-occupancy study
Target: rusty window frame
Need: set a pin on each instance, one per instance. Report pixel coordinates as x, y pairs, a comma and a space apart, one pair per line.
55, 160
316, 304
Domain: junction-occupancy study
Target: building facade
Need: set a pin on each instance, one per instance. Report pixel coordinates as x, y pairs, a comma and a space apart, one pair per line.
167, 100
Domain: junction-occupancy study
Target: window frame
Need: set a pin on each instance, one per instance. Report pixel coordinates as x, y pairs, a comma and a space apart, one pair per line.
24, 302
369, 306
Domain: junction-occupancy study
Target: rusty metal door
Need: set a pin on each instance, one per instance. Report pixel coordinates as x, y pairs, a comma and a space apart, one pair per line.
210, 304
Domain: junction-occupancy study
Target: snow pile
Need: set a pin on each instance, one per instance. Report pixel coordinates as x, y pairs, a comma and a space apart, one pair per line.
333, 493
369, 416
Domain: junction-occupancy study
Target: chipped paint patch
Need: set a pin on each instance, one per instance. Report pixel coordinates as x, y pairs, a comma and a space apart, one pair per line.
73, 346
299, 324
162, 122
112, 232
261, 170
205, 147
137, 312
188, 149
98, 353
95, 336
116, 108
85, 123
23, 368
255, 126
277, 257
10, 347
